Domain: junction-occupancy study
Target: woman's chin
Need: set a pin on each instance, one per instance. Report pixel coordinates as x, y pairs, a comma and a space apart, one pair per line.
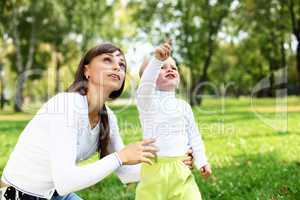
114, 87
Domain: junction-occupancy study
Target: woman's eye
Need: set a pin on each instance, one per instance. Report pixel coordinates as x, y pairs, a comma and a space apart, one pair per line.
107, 59
122, 65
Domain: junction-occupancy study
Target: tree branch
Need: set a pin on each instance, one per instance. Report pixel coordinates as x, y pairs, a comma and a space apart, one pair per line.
31, 49
293, 20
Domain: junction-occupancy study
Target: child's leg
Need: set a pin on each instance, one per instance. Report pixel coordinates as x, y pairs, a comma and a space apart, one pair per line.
183, 185
153, 183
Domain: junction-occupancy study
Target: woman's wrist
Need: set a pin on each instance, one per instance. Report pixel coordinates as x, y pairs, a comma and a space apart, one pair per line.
118, 159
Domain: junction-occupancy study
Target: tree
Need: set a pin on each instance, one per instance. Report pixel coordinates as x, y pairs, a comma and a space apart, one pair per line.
26, 22
55, 23
294, 10
194, 28
266, 23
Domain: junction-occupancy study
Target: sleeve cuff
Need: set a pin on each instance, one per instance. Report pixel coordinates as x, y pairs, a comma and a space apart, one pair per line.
200, 162
118, 159
129, 173
156, 62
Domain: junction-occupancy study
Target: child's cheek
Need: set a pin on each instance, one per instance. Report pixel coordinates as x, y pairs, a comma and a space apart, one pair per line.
159, 81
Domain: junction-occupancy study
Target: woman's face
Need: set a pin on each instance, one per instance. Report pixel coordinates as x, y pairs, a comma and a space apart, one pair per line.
107, 70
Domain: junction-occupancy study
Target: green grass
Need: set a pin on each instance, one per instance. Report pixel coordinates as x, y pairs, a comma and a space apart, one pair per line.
253, 150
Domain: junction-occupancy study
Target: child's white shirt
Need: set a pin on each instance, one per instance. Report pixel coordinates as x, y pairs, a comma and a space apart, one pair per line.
168, 119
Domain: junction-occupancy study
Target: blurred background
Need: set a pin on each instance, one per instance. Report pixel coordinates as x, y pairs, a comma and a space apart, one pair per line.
231, 44
239, 62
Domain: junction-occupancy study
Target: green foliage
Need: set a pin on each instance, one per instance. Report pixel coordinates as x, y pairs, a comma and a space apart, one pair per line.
224, 42
218, 41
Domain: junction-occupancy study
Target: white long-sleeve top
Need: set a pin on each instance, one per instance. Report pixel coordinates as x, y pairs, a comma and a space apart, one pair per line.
167, 118
48, 150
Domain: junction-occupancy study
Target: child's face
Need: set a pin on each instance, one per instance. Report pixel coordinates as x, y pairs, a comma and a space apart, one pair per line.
168, 78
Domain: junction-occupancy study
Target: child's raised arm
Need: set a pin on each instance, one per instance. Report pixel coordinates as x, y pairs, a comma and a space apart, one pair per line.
148, 77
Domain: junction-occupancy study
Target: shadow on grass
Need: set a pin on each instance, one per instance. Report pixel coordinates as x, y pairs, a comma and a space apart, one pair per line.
249, 177
12, 126
262, 177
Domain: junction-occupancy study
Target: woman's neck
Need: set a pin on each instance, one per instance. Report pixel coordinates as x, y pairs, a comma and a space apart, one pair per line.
96, 97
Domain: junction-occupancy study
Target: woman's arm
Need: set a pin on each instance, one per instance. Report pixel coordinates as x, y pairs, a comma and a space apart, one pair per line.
126, 173
63, 129
67, 176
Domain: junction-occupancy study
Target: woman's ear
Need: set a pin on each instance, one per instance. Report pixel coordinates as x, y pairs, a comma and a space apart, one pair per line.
86, 71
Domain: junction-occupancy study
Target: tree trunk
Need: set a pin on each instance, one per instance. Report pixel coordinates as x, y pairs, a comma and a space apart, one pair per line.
282, 52
296, 31
21, 68
2, 93
19, 63
57, 69
19, 93
271, 90
298, 65
197, 88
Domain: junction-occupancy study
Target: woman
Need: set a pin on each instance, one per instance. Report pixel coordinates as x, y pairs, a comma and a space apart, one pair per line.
71, 127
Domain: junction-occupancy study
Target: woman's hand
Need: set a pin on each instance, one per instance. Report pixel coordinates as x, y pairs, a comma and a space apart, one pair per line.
138, 152
188, 161
163, 51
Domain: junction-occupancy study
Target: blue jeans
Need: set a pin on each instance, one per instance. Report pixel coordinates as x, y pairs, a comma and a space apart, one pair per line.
71, 196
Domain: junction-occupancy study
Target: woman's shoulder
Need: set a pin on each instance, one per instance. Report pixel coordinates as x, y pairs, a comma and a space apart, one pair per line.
64, 95
111, 114
65, 101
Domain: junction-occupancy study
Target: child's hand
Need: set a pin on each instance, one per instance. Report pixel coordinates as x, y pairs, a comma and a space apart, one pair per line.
205, 171
163, 51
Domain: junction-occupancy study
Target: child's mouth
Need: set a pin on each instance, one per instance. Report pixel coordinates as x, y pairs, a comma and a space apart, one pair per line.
170, 76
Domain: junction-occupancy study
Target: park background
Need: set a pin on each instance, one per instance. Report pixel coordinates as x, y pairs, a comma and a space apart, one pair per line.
239, 62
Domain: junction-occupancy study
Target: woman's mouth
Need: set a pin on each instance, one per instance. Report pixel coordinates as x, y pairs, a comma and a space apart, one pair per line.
115, 76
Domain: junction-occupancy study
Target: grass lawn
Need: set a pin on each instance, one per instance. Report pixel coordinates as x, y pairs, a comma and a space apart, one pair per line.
254, 149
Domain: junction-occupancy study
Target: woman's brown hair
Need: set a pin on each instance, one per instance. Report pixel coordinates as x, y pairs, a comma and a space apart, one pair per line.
80, 85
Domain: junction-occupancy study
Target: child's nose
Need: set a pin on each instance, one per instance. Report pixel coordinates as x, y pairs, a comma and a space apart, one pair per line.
169, 69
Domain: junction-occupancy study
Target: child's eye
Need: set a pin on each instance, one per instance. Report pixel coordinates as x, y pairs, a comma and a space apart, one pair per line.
174, 68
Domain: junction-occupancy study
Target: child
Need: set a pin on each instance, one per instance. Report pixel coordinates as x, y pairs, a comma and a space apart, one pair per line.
171, 122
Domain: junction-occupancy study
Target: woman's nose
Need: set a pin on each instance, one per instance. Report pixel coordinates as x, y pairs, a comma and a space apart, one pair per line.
116, 67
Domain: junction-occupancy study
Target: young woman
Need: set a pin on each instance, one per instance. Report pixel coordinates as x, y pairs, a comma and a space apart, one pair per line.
71, 127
